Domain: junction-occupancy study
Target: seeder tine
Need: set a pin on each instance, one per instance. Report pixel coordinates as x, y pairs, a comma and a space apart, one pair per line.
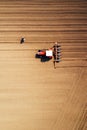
57, 60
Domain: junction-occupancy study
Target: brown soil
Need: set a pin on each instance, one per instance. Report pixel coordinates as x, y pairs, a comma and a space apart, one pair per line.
35, 95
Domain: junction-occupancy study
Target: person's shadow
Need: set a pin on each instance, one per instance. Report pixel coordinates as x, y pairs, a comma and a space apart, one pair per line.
22, 40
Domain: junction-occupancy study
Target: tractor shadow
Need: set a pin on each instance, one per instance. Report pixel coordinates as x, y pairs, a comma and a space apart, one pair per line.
42, 58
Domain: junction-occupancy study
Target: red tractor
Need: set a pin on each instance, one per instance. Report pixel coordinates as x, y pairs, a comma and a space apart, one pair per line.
48, 54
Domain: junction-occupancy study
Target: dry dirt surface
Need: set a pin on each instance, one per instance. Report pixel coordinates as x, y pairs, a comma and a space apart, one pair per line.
33, 94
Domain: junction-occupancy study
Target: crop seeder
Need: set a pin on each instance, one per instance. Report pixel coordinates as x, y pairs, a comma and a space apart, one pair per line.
56, 53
